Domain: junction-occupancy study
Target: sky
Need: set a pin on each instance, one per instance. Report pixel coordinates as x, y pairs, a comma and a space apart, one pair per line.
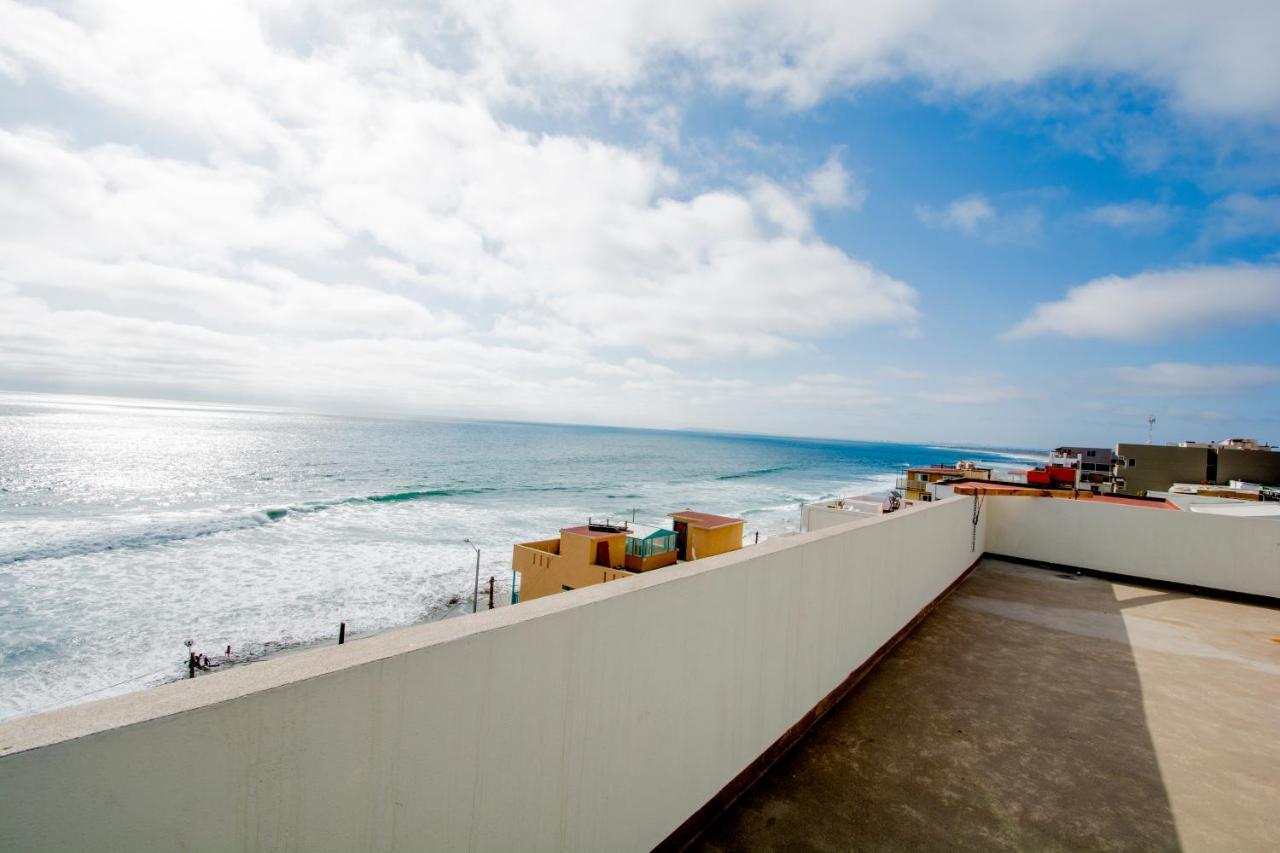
997, 222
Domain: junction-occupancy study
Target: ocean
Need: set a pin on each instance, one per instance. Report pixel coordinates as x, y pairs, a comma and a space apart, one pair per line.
128, 527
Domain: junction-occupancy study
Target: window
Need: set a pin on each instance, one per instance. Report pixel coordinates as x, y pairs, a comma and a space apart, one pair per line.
1091, 453
1133, 462
564, 588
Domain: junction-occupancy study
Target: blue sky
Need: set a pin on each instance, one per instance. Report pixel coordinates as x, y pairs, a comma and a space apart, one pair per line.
910, 221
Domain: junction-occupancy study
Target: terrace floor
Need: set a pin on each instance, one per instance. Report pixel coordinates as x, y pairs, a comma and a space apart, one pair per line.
1036, 710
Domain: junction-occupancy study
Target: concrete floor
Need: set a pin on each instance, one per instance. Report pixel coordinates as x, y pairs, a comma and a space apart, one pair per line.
1040, 711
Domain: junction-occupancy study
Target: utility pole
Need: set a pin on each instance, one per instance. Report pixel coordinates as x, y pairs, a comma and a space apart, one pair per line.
475, 593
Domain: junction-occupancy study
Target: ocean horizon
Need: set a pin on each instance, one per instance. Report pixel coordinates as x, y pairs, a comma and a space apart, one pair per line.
131, 526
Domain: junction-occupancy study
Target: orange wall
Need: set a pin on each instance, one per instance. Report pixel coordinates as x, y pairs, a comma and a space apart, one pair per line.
582, 549
719, 540
656, 561
547, 566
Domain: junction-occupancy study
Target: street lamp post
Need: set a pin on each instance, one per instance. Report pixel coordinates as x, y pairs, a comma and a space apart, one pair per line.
475, 596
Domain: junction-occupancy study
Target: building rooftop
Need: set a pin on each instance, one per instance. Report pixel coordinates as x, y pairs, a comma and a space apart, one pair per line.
986, 487
705, 519
945, 469
1038, 710
588, 532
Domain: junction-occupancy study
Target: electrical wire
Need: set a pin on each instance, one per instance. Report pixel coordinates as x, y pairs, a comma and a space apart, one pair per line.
74, 699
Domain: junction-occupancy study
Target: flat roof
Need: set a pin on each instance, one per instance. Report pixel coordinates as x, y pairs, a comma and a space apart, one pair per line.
1251, 509
1040, 710
945, 469
984, 487
705, 520
584, 530
1120, 499
992, 487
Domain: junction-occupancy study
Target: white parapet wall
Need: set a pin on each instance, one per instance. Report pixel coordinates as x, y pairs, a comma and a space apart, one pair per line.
1214, 552
594, 720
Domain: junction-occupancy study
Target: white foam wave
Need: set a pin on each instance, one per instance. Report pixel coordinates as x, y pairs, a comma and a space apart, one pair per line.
1020, 456
136, 537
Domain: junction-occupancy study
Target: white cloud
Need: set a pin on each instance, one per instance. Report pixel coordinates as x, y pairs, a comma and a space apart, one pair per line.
1158, 304
115, 201
976, 216
366, 188
69, 349
1239, 216
1172, 379
344, 202
833, 185
1135, 216
1212, 61
965, 215
976, 395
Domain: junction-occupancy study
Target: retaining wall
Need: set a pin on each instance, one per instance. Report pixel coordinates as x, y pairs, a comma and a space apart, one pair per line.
1214, 552
594, 720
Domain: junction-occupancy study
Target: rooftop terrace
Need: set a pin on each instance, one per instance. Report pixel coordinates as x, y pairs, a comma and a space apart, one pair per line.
1041, 710
961, 700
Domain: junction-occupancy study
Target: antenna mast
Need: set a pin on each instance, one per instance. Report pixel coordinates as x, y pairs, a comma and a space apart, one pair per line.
1151, 422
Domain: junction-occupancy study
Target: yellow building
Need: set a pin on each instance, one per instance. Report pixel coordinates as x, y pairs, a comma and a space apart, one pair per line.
598, 553
916, 486
582, 556
701, 534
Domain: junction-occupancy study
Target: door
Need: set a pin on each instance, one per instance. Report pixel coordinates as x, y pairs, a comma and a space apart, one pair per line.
602, 553
682, 540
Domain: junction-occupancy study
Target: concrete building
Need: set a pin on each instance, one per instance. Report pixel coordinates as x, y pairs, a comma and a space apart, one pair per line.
816, 516
701, 534
1156, 467
917, 485
1094, 466
582, 556
985, 671
599, 552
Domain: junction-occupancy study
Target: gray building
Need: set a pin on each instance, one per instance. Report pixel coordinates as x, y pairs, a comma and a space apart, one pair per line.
1155, 467
1095, 464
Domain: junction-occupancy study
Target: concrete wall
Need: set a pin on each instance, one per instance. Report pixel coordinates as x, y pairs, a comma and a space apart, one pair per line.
544, 572
1159, 466
819, 516
594, 720
1236, 554
1255, 466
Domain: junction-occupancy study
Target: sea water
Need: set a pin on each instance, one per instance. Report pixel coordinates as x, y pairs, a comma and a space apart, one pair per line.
128, 527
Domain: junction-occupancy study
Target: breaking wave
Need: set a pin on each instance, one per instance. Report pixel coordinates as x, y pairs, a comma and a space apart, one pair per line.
758, 472
163, 534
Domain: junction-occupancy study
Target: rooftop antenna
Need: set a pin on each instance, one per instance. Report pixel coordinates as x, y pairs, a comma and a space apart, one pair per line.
1151, 422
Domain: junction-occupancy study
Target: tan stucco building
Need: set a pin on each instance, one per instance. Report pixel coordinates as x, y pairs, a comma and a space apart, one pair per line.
701, 534
582, 556
598, 553
917, 484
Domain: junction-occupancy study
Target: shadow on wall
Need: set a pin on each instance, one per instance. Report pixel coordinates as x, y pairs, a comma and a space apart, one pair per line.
978, 732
